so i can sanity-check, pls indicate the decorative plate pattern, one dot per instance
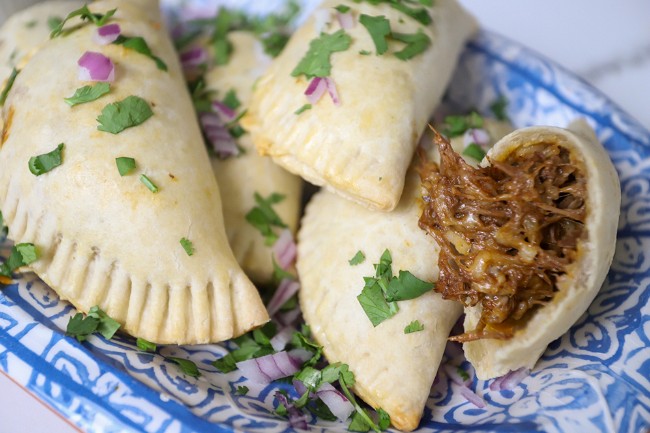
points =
(594, 378)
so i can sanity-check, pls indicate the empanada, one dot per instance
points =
(110, 240)
(241, 176)
(361, 148)
(393, 370)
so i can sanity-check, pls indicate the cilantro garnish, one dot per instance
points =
(380, 293)
(303, 109)
(274, 43)
(474, 151)
(186, 366)
(86, 15)
(138, 44)
(316, 62)
(31, 24)
(129, 112)
(54, 22)
(455, 126)
(462, 373)
(145, 346)
(421, 15)
(242, 390)
(251, 345)
(8, 86)
(125, 165)
(358, 258)
(88, 93)
(416, 43)
(187, 246)
(46, 162)
(231, 100)
(3, 229)
(498, 108)
(342, 8)
(201, 96)
(21, 255)
(365, 52)
(97, 320)
(414, 326)
(264, 218)
(148, 183)
(379, 29)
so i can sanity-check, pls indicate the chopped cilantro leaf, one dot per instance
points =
(125, 165)
(342, 8)
(358, 258)
(406, 286)
(274, 43)
(462, 373)
(455, 126)
(148, 183)
(360, 418)
(186, 366)
(31, 24)
(3, 229)
(358, 423)
(242, 390)
(421, 15)
(374, 304)
(414, 326)
(365, 52)
(264, 218)
(139, 45)
(316, 62)
(474, 151)
(8, 86)
(187, 246)
(231, 100)
(86, 15)
(46, 162)
(129, 112)
(384, 419)
(145, 346)
(303, 109)
(498, 108)
(379, 29)
(54, 22)
(279, 274)
(21, 255)
(416, 43)
(88, 93)
(97, 320)
(107, 327)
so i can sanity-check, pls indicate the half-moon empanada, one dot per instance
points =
(110, 240)
(242, 176)
(393, 370)
(360, 149)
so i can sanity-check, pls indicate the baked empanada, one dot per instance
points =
(393, 370)
(240, 177)
(148, 247)
(357, 141)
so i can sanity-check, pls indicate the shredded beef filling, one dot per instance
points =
(506, 232)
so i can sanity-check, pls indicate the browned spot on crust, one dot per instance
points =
(7, 125)
(172, 176)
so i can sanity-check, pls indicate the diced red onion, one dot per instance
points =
(472, 397)
(95, 67)
(288, 318)
(226, 113)
(285, 290)
(337, 403)
(285, 249)
(331, 89)
(266, 369)
(322, 17)
(280, 340)
(300, 355)
(107, 34)
(299, 386)
(315, 90)
(478, 136)
(297, 419)
(509, 380)
(193, 58)
(346, 20)
(223, 144)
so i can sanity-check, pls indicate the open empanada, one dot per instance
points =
(360, 149)
(393, 370)
(241, 176)
(111, 240)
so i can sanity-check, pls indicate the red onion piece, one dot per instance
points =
(193, 58)
(331, 89)
(315, 90)
(472, 397)
(107, 34)
(285, 290)
(223, 144)
(299, 386)
(509, 380)
(478, 136)
(289, 318)
(297, 419)
(346, 20)
(280, 340)
(300, 355)
(226, 113)
(285, 249)
(338, 404)
(266, 369)
(95, 67)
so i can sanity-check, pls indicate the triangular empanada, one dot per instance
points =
(106, 239)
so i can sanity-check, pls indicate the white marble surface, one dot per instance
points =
(606, 42)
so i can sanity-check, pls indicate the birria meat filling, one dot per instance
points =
(507, 232)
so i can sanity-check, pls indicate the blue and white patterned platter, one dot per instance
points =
(595, 378)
